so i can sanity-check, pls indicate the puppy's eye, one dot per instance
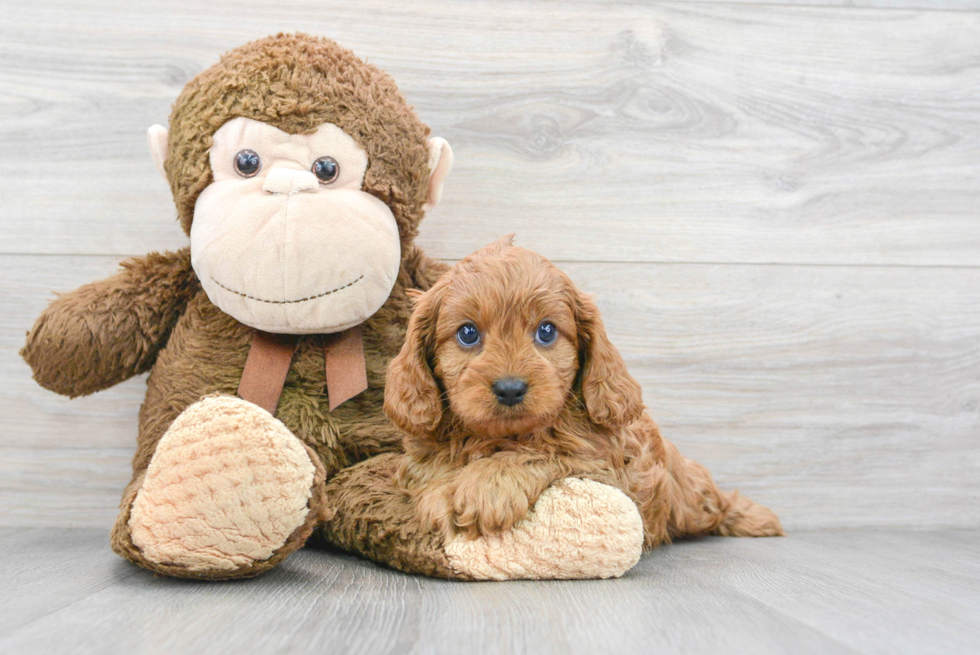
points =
(247, 163)
(546, 334)
(467, 335)
(326, 169)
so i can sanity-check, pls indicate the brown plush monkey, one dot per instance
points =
(300, 174)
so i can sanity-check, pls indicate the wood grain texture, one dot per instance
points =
(777, 206)
(929, 5)
(647, 132)
(831, 592)
(776, 202)
(840, 396)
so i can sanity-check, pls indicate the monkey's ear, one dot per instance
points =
(156, 136)
(440, 163)
(612, 397)
(413, 401)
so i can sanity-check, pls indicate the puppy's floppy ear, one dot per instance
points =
(612, 397)
(412, 398)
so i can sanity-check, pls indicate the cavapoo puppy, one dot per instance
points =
(507, 383)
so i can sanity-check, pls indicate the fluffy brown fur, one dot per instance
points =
(296, 83)
(475, 465)
(153, 316)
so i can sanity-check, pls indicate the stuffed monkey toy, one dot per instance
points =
(300, 175)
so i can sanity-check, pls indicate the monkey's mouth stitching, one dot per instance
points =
(286, 302)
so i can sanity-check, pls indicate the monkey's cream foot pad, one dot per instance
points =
(577, 529)
(226, 488)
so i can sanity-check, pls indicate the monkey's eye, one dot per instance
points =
(546, 334)
(247, 163)
(326, 169)
(467, 335)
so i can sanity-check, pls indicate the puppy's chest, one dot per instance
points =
(471, 448)
(572, 454)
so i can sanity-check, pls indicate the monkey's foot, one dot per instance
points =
(577, 529)
(229, 492)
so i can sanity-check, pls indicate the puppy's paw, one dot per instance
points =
(488, 506)
(577, 529)
(434, 506)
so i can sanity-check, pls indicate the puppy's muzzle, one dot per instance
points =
(510, 391)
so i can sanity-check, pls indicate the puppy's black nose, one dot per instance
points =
(510, 391)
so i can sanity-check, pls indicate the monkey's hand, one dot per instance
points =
(108, 331)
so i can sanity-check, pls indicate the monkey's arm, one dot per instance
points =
(578, 529)
(369, 514)
(105, 332)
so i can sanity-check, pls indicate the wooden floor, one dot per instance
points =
(776, 205)
(775, 202)
(813, 592)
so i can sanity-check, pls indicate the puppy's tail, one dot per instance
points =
(745, 518)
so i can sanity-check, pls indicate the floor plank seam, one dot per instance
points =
(634, 262)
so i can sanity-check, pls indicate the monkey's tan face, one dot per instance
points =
(284, 239)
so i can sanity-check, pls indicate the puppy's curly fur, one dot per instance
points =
(476, 465)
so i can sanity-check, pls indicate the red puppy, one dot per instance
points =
(507, 382)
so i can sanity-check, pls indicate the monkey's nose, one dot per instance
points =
(510, 391)
(289, 180)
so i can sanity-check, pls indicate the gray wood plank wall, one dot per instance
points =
(776, 204)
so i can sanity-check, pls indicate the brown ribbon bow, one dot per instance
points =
(270, 356)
